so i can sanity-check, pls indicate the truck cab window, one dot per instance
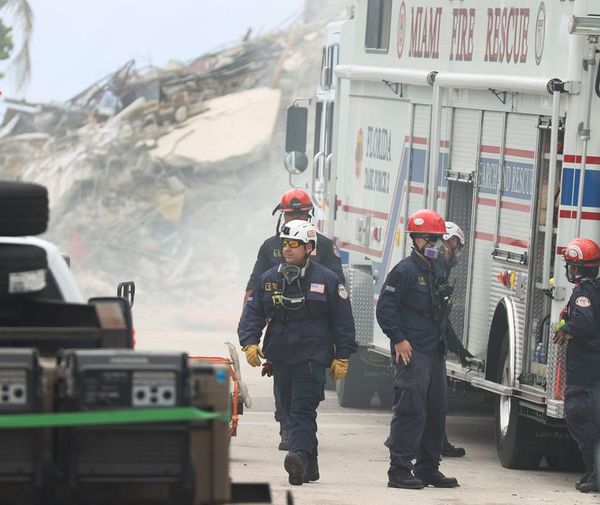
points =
(377, 37)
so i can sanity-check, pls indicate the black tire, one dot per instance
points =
(23, 209)
(16, 258)
(515, 435)
(355, 390)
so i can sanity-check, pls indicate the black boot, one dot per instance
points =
(450, 451)
(436, 478)
(312, 469)
(295, 465)
(284, 444)
(589, 481)
(404, 479)
(584, 478)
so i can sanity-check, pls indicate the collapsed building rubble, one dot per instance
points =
(153, 189)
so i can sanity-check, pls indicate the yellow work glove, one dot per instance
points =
(253, 354)
(339, 369)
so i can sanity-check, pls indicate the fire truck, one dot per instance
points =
(483, 111)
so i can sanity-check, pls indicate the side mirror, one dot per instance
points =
(295, 162)
(126, 290)
(295, 131)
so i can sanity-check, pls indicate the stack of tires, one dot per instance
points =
(23, 212)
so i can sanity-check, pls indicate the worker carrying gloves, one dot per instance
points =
(310, 330)
(579, 328)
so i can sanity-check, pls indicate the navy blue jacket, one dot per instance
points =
(269, 255)
(318, 330)
(407, 308)
(583, 324)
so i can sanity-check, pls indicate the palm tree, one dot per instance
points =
(23, 16)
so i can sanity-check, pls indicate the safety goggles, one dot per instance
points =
(291, 243)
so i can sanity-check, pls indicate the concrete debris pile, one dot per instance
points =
(148, 169)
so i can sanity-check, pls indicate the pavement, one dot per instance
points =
(352, 458)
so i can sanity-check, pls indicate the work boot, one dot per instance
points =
(589, 482)
(295, 465)
(436, 478)
(284, 444)
(312, 470)
(585, 477)
(404, 479)
(450, 451)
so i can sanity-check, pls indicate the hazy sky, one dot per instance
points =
(76, 42)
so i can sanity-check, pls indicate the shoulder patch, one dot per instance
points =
(277, 253)
(342, 291)
(391, 289)
(421, 280)
(317, 288)
(583, 301)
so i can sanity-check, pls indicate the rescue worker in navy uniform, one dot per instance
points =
(309, 328)
(412, 311)
(579, 327)
(295, 204)
(452, 243)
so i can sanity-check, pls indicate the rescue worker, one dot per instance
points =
(294, 204)
(412, 311)
(453, 242)
(579, 327)
(309, 329)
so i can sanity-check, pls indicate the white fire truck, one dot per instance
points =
(484, 111)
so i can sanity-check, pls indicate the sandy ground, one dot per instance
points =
(353, 461)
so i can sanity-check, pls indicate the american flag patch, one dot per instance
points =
(317, 288)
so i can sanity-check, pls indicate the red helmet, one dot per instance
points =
(582, 252)
(294, 200)
(426, 221)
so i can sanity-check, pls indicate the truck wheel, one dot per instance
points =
(355, 389)
(515, 435)
(16, 258)
(23, 209)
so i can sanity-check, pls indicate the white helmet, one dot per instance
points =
(299, 230)
(453, 230)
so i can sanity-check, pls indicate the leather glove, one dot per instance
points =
(253, 354)
(339, 369)
(267, 369)
(463, 354)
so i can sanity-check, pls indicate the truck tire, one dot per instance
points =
(23, 209)
(354, 390)
(15, 258)
(515, 435)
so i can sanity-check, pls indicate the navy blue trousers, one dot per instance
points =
(301, 388)
(419, 420)
(581, 404)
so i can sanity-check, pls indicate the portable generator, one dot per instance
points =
(21, 467)
(141, 462)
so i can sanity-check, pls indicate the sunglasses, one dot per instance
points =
(291, 243)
